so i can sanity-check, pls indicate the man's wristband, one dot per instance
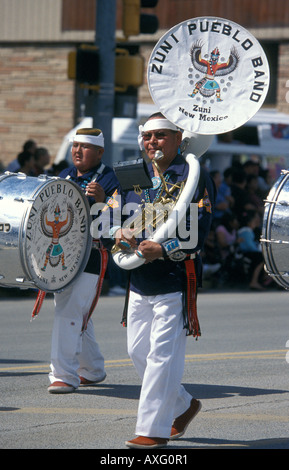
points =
(172, 249)
(171, 246)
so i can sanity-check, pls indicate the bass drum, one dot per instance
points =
(45, 238)
(275, 231)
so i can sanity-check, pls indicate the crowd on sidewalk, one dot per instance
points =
(232, 255)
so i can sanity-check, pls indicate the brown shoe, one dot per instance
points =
(86, 383)
(60, 387)
(181, 423)
(143, 442)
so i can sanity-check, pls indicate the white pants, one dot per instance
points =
(74, 353)
(156, 345)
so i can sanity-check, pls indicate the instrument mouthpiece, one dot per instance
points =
(158, 155)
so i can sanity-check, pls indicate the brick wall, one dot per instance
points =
(36, 98)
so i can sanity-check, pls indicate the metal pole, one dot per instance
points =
(104, 102)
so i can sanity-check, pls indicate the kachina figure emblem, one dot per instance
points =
(212, 68)
(55, 229)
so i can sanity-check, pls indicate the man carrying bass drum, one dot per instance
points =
(75, 355)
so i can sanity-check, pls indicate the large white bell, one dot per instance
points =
(197, 144)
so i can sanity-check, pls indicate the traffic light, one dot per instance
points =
(134, 22)
(83, 64)
(129, 69)
(129, 76)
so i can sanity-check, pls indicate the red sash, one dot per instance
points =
(103, 266)
(190, 309)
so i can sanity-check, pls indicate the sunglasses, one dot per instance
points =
(158, 135)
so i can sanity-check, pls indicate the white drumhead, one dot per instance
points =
(208, 75)
(57, 240)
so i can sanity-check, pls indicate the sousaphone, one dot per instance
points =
(208, 76)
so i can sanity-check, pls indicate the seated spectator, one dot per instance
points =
(225, 186)
(28, 146)
(210, 256)
(251, 167)
(226, 234)
(223, 198)
(253, 194)
(26, 163)
(264, 183)
(42, 160)
(55, 169)
(251, 249)
(241, 199)
(263, 176)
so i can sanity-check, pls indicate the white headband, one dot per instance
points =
(154, 124)
(90, 139)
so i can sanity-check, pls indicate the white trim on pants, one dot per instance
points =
(156, 344)
(74, 353)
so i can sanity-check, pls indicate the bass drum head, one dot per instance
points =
(275, 232)
(56, 240)
(208, 75)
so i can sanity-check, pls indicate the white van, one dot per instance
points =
(264, 138)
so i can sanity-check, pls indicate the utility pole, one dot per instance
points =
(103, 108)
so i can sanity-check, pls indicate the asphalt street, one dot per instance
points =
(239, 369)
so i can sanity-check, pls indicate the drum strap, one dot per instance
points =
(96, 174)
(124, 313)
(191, 322)
(103, 266)
(99, 172)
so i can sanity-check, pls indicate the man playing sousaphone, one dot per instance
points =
(161, 309)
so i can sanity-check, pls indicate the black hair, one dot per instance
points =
(24, 157)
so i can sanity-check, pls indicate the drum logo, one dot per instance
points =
(56, 229)
(208, 86)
